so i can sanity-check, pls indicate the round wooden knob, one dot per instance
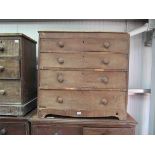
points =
(106, 44)
(104, 101)
(105, 61)
(1, 68)
(2, 92)
(3, 131)
(104, 79)
(60, 100)
(60, 60)
(60, 78)
(61, 44)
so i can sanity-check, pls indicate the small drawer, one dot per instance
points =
(9, 68)
(10, 91)
(55, 130)
(52, 79)
(86, 44)
(96, 60)
(82, 103)
(108, 131)
(13, 128)
(9, 47)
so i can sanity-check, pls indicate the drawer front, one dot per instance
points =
(9, 47)
(88, 44)
(55, 130)
(83, 103)
(14, 128)
(84, 60)
(10, 91)
(108, 131)
(9, 68)
(82, 79)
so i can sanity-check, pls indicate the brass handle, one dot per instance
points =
(60, 78)
(105, 79)
(105, 61)
(106, 44)
(2, 68)
(60, 60)
(1, 47)
(60, 100)
(2, 92)
(61, 44)
(104, 101)
(3, 131)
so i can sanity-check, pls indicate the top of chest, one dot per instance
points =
(54, 41)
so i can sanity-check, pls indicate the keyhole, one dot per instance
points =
(83, 41)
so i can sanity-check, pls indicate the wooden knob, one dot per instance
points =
(105, 61)
(2, 92)
(3, 131)
(104, 101)
(60, 60)
(60, 78)
(61, 44)
(104, 79)
(60, 100)
(106, 44)
(1, 68)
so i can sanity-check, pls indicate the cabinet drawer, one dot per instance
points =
(9, 47)
(52, 79)
(9, 68)
(85, 44)
(108, 131)
(55, 130)
(84, 60)
(10, 91)
(14, 128)
(83, 103)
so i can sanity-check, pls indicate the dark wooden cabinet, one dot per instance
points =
(83, 74)
(81, 126)
(18, 74)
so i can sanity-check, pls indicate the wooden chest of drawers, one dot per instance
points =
(83, 74)
(18, 78)
(78, 126)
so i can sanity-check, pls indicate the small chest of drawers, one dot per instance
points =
(83, 74)
(17, 74)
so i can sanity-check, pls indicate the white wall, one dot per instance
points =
(140, 56)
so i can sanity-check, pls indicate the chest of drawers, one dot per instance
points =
(17, 74)
(83, 74)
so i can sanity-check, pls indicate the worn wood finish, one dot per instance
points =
(108, 131)
(82, 79)
(9, 68)
(17, 74)
(84, 60)
(76, 65)
(65, 126)
(83, 103)
(9, 46)
(10, 92)
(91, 45)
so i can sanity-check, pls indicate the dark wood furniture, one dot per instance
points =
(80, 126)
(18, 78)
(83, 74)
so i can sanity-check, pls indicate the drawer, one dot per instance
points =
(108, 131)
(86, 44)
(9, 47)
(83, 103)
(13, 128)
(54, 79)
(9, 68)
(55, 130)
(10, 91)
(90, 60)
